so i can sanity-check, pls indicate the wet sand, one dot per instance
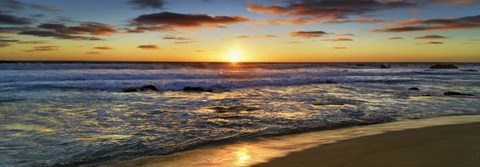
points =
(446, 145)
(444, 141)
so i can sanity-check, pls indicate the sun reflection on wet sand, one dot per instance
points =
(248, 153)
(243, 157)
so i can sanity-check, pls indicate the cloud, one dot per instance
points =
(91, 28)
(326, 11)
(307, 34)
(395, 38)
(148, 47)
(44, 48)
(430, 37)
(434, 43)
(92, 53)
(4, 44)
(457, 2)
(345, 35)
(41, 33)
(144, 4)
(17, 5)
(339, 40)
(8, 40)
(184, 42)
(44, 8)
(292, 42)
(103, 48)
(339, 47)
(168, 21)
(13, 20)
(169, 37)
(469, 22)
(31, 42)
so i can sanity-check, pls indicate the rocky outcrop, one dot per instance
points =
(456, 94)
(385, 66)
(196, 89)
(443, 66)
(143, 88)
(414, 88)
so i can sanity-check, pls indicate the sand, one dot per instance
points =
(447, 145)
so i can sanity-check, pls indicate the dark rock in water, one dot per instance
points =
(345, 71)
(130, 90)
(385, 66)
(413, 88)
(148, 87)
(427, 95)
(196, 89)
(456, 94)
(470, 70)
(143, 88)
(233, 109)
(330, 82)
(444, 66)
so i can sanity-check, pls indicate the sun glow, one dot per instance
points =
(234, 56)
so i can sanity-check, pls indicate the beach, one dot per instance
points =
(449, 145)
(444, 141)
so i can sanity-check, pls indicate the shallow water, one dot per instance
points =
(72, 114)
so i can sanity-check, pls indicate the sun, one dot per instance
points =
(234, 56)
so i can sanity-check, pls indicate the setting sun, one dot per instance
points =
(234, 56)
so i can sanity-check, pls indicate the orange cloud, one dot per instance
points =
(148, 47)
(469, 22)
(307, 34)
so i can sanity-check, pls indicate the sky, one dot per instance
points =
(241, 30)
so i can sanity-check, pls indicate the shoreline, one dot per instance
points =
(445, 145)
(267, 151)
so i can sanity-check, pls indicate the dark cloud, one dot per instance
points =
(332, 9)
(434, 43)
(395, 38)
(143, 4)
(430, 37)
(17, 5)
(13, 20)
(8, 40)
(148, 47)
(345, 35)
(43, 48)
(4, 44)
(469, 22)
(91, 28)
(308, 34)
(37, 15)
(168, 21)
(41, 33)
(44, 8)
(339, 40)
(32, 42)
(103, 48)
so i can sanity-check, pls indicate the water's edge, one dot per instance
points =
(253, 151)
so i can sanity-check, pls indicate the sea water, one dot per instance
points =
(77, 113)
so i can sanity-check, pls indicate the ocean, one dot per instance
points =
(79, 113)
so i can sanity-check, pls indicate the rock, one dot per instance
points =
(413, 88)
(330, 82)
(361, 65)
(470, 70)
(385, 66)
(143, 88)
(130, 90)
(443, 66)
(196, 89)
(456, 94)
(148, 87)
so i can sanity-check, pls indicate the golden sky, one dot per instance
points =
(238, 30)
